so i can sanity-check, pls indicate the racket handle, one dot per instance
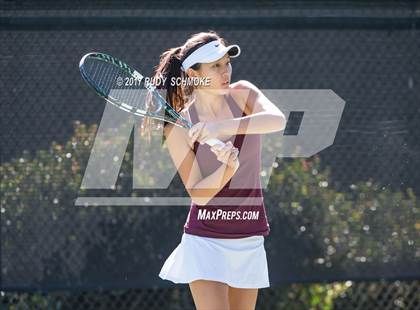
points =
(212, 142)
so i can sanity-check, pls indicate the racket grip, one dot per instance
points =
(212, 142)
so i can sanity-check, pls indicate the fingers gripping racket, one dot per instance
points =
(124, 87)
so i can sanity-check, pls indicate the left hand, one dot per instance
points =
(203, 131)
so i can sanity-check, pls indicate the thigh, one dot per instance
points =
(209, 295)
(242, 298)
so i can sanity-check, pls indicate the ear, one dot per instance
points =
(192, 73)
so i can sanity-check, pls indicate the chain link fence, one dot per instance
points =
(344, 223)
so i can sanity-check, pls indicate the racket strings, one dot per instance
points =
(104, 82)
(102, 74)
(124, 90)
(115, 83)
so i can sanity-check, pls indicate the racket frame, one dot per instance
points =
(150, 87)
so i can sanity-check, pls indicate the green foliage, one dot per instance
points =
(366, 224)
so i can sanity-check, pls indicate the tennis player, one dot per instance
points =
(221, 254)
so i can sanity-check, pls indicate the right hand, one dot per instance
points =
(227, 154)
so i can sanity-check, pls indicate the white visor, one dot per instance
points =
(210, 52)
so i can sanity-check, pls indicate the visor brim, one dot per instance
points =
(232, 50)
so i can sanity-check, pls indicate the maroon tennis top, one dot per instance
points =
(237, 210)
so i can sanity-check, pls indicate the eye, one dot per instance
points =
(216, 65)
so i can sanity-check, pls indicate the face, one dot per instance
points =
(218, 73)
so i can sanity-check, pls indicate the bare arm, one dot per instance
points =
(257, 123)
(201, 190)
(263, 116)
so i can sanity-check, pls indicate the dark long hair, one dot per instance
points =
(169, 67)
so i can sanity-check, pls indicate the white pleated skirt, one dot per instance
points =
(240, 263)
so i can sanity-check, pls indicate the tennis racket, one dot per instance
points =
(126, 88)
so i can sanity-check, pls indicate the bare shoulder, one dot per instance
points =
(243, 84)
(176, 137)
(242, 91)
(175, 131)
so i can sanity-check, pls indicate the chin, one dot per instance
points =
(225, 87)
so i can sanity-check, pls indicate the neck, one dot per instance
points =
(208, 103)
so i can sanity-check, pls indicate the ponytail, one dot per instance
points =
(169, 68)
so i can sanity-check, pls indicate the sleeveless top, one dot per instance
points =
(237, 210)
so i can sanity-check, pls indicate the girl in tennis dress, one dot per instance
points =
(221, 254)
